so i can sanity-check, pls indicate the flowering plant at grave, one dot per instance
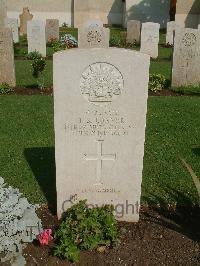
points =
(45, 236)
(51, 41)
(68, 41)
(157, 82)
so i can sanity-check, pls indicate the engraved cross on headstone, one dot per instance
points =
(100, 157)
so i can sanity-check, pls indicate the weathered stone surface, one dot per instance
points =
(92, 35)
(36, 36)
(150, 39)
(3, 13)
(133, 31)
(52, 29)
(100, 103)
(24, 18)
(12, 23)
(186, 58)
(171, 27)
(7, 66)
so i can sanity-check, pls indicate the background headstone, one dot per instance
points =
(186, 57)
(36, 36)
(24, 18)
(3, 13)
(12, 23)
(92, 35)
(133, 31)
(171, 27)
(100, 103)
(52, 29)
(7, 66)
(150, 39)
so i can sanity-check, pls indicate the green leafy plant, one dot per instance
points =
(117, 41)
(85, 228)
(5, 88)
(38, 66)
(57, 46)
(156, 82)
(34, 55)
(65, 25)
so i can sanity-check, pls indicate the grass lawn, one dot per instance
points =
(161, 67)
(24, 77)
(27, 148)
(188, 90)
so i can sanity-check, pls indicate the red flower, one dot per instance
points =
(45, 236)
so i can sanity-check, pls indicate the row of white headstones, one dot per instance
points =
(93, 34)
(100, 105)
(38, 34)
(186, 48)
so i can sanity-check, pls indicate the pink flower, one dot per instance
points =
(45, 236)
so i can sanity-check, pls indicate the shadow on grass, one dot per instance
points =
(183, 218)
(42, 164)
(196, 151)
(32, 86)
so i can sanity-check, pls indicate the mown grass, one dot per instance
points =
(193, 89)
(25, 79)
(24, 75)
(27, 148)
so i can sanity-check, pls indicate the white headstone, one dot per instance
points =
(100, 104)
(150, 39)
(93, 35)
(171, 27)
(7, 65)
(186, 57)
(199, 27)
(3, 13)
(36, 36)
(133, 31)
(52, 29)
(12, 23)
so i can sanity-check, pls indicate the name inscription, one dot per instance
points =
(99, 124)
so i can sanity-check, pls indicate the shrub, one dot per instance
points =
(38, 66)
(65, 25)
(34, 55)
(57, 46)
(117, 41)
(85, 228)
(5, 88)
(51, 41)
(156, 82)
